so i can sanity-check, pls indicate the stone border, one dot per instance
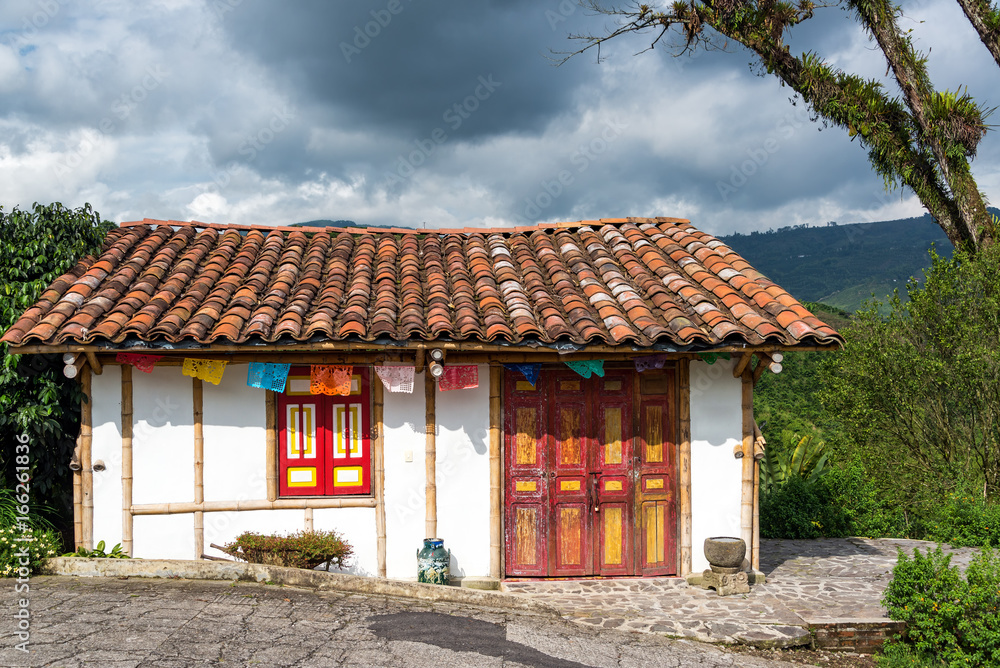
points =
(292, 577)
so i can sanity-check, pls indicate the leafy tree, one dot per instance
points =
(36, 247)
(918, 391)
(923, 139)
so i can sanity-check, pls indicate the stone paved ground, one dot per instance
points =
(808, 582)
(119, 623)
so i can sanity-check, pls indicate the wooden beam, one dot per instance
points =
(755, 552)
(95, 364)
(86, 463)
(271, 444)
(355, 347)
(244, 505)
(496, 474)
(747, 463)
(197, 400)
(127, 422)
(765, 361)
(741, 364)
(308, 523)
(378, 443)
(684, 464)
(430, 457)
(418, 361)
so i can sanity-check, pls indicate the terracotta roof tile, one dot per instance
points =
(635, 282)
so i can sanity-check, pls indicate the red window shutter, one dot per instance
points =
(324, 442)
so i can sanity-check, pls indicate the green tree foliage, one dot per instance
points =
(948, 619)
(36, 247)
(921, 138)
(801, 457)
(918, 392)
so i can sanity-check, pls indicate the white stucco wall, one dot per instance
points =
(716, 476)
(233, 416)
(163, 436)
(234, 469)
(404, 419)
(106, 446)
(463, 476)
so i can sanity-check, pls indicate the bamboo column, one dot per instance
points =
(127, 421)
(496, 424)
(308, 519)
(87, 470)
(77, 499)
(430, 457)
(684, 462)
(378, 442)
(747, 496)
(755, 552)
(271, 444)
(197, 395)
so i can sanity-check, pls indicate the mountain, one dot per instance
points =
(843, 265)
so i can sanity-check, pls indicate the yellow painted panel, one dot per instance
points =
(569, 485)
(612, 535)
(612, 385)
(655, 483)
(354, 420)
(524, 428)
(525, 486)
(655, 532)
(301, 476)
(524, 386)
(339, 415)
(654, 434)
(570, 531)
(524, 536)
(569, 385)
(569, 436)
(613, 486)
(292, 431)
(612, 435)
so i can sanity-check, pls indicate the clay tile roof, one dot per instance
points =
(635, 282)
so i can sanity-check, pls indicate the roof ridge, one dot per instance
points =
(541, 227)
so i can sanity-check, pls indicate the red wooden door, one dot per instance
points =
(655, 505)
(612, 472)
(585, 495)
(570, 492)
(527, 483)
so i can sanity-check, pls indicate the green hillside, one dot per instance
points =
(843, 265)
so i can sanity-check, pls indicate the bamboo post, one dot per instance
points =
(87, 470)
(197, 399)
(77, 500)
(95, 364)
(378, 412)
(308, 519)
(755, 552)
(430, 455)
(684, 462)
(127, 421)
(271, 444)
(496, 501)
(747, 495)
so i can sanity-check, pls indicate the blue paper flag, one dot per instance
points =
(268, 376)
(529, 371)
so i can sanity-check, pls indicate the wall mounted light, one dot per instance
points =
(436, 369)
(99, 465)
(437, 355)
(775, 367)
(74, 464)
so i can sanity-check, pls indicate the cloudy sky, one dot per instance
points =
(431, 114)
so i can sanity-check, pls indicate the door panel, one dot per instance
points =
(656, 494)
(526, 526)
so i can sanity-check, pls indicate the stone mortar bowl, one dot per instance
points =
(725, 551)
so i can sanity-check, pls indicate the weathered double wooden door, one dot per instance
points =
(589, 475)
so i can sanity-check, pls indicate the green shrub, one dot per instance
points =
(866, 509)
(964, 520)
(40, 544)
(800, 508)
(302, 549)
(99, 553)
(948, 618)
